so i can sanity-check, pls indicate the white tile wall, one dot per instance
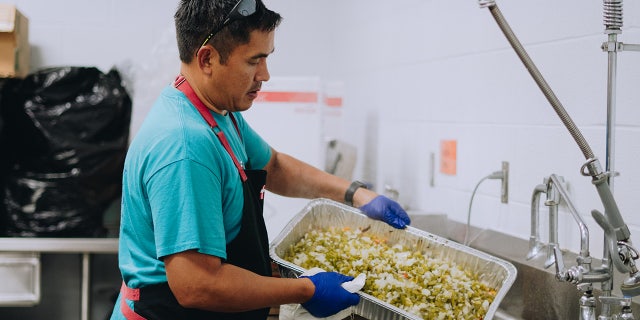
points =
(416, 72)
(443, 70)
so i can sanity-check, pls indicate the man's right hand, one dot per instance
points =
(329, 297)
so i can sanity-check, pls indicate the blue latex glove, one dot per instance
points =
(330, 297)
(384, 209)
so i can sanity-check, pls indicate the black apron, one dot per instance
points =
(249, 250)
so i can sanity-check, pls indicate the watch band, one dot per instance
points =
(348, 196)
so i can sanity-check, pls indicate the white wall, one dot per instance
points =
(438, 70)
(416, 72)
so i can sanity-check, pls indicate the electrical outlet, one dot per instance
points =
(504, 193)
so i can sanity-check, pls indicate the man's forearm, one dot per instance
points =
(202, 282)
(290, 177)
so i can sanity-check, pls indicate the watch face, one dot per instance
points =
(348, 196)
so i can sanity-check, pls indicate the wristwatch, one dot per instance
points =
(348, 196)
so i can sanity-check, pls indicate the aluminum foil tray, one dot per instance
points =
(324, 213)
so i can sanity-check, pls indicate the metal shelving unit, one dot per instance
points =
(84, 246)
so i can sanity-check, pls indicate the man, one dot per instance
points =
(193, 243)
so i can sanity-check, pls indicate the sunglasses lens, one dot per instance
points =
(244, 8)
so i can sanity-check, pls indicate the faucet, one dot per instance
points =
(623, 254)
(535, 245)
(552, 202)
(582, 274)
(624, 303)
(555, 189)
(618, 248)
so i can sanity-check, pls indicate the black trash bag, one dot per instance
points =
(5, 152)
(3, 161)
(68, 131)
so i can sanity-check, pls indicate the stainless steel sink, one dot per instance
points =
(536, 294)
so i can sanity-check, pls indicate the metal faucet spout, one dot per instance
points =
(535, 245)
(584, 231)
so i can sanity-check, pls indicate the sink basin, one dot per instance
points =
(536, 293)
(503, 315)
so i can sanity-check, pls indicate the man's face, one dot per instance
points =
(236, 83)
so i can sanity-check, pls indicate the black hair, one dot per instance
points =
(196, 19)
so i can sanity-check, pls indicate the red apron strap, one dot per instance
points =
(183, 85)
(127, 293)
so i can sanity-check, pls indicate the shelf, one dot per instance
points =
(59, 245)
(84, 246)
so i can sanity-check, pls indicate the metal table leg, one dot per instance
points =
(85, 286)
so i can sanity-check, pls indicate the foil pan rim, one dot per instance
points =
(369, 304)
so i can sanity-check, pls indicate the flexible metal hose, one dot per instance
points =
(539, 79)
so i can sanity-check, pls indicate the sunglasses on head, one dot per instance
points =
(241, 10)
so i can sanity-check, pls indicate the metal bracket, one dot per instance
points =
(613, 46)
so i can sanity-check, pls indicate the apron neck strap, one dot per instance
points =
(183, 85)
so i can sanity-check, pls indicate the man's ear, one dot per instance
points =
(207, 56)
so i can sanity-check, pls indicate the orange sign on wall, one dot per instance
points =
(448, 155)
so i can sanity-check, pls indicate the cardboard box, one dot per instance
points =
(14, 42)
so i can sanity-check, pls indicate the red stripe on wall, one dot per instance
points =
(287, 96)
(333, 101)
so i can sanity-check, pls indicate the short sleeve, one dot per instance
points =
(186, 210)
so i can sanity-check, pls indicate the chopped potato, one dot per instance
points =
(412, 281)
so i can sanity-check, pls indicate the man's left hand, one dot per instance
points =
(384, 209)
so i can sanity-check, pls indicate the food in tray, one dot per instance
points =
(412, 281)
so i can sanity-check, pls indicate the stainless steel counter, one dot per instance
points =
(59, 245)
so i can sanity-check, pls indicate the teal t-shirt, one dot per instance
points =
(181, 190)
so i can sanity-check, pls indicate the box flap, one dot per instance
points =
(7, 17)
